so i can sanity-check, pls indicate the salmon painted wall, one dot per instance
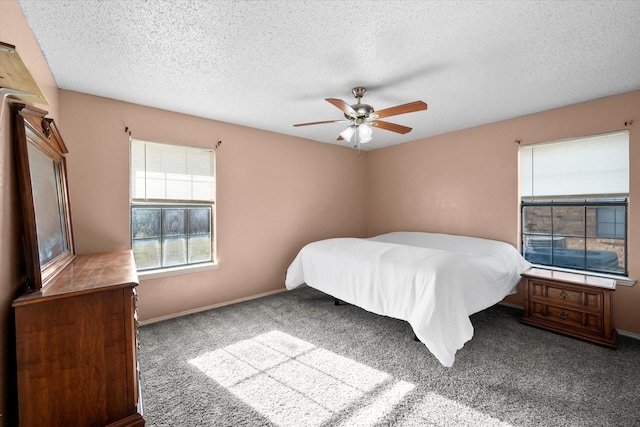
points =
(274, 194)
(14, 30)
(466, 182)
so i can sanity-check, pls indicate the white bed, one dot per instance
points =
(433, 281)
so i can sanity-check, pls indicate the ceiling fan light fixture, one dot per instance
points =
(363, 118)
(347, 134)
(365, 133)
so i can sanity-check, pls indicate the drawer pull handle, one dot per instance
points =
(563, 314)
(563, 295)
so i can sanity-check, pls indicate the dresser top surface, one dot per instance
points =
(567, 277)
(88, 273)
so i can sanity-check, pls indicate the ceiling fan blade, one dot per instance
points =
(390, 126)
(400, 109)
(343, 106)
(321, 123)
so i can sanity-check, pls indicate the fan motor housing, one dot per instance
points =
(362, 111)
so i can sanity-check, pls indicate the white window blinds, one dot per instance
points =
(171, 172)
(596, 165)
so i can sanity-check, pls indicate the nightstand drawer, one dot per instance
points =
(566, 295)
(562, 316)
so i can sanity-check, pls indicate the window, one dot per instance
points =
(612, 222)
(569, 234)
(172, 205)
(574, 197)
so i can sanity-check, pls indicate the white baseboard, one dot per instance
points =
(508, 304)
(629, 334)
(621, 332)
(208, 307)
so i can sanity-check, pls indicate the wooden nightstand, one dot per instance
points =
(572, 304)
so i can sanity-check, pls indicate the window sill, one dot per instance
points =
(620, 280)
(174, 271)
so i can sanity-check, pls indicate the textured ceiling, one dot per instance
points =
(270, 64)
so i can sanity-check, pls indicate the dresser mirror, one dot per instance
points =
(44, 195)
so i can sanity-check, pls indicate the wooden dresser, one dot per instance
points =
(572, 304)
(77, 346)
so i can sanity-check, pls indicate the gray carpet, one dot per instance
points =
(295, 359)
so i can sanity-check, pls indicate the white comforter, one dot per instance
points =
(433, 281)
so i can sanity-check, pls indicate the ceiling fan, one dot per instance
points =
(363, 117)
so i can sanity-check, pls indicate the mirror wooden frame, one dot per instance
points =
(44, 194)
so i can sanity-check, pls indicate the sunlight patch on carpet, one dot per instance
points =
(372, 412)
(436, 410)
(288, 380)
